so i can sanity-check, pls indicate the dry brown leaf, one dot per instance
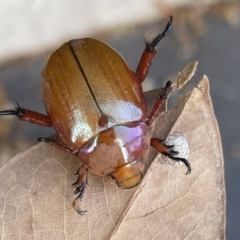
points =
(185, 75)
(169, 204)
(36, 194)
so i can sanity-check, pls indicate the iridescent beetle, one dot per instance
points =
(94, 100)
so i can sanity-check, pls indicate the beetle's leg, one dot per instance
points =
(28, 115)
(80, 185)
(149, 53)
(81, 182)
(159, 103)
(82, 174)
(160, 146)
(56, 143)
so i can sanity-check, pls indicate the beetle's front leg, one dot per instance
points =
(80, 185)
(150, 52)
(168, 151)
(28, 115)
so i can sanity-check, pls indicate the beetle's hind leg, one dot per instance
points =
(150, 52)
(80, 185)
(28, 115)
(168, 151)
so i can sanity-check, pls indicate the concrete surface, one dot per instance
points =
(29, 26)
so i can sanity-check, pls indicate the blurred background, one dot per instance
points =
(208, 32)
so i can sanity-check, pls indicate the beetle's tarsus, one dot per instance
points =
(166, 150)
(168, 88)
(149, 53)
(159, 103)
(28, 115)
(81, 182)
(185, 161)
(17, 111)
(150, 46)
(80, 189)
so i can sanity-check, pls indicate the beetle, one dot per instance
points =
(95, 102)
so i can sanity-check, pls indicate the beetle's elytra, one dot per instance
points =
(94, 100)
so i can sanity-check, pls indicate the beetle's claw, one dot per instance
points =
(75, 184)
(185, 161)
(81, 182)
(80, 189)
(171, 150)
(77, 190)
(80, 185)
(81, 212)
(174, 152)
(77, 173)
(76, 206)
(188, 171)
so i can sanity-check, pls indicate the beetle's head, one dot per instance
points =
(129, 175)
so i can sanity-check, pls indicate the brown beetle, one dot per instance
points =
(95, 102)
